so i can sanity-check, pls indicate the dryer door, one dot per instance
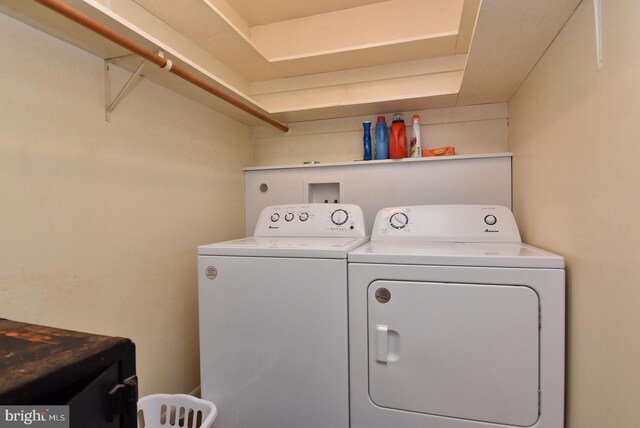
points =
(466, 351)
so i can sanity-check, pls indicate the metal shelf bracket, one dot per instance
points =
(110, 104)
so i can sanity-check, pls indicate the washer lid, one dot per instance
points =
(456, 254)
(262, 246)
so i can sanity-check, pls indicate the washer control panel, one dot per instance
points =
(446, 223)
(315, 220)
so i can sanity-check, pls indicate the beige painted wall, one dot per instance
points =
(575, 135)
(472, 130)
(99, 222)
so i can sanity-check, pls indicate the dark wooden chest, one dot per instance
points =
(94, 375)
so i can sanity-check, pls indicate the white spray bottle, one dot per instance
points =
(415, 150)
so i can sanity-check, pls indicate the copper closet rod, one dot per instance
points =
(136, 48)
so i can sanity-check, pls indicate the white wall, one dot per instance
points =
(472, 130)
(575, 131)
(99, 222)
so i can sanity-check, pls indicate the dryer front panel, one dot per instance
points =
(468, 351)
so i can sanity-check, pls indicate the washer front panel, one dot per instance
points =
(273, 342)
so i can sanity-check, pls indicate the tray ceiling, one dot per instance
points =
(264, 40)
(261, 12)
(302, 60)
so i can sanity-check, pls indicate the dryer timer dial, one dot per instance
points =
(399, 220)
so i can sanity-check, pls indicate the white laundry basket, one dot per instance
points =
(178, 410)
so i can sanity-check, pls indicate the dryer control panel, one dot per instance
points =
(446, 223)
(312, 220)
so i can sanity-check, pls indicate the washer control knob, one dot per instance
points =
(399, 220)
(275, 217)
(490, 219)
(339, 217)
(303, 216)
(288, 216)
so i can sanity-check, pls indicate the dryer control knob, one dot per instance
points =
(490, 219)
(288, 216)
(275, 217)
(399, 220)
(339, 217)
(303, 216)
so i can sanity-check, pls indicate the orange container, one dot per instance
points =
(442, 151)
(398, 138)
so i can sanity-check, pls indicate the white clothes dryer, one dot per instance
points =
(454, 323)
(273, 319)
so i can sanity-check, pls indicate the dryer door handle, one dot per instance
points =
(382, 343)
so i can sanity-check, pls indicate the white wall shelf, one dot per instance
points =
(377, 162)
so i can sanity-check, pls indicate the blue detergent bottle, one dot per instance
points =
(366, 139)
(382, 139)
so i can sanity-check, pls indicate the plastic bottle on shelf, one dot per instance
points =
(382, 139)
(415, 150)
(398, 138)
(366, 139)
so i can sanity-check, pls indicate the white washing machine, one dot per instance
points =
(273, 319)
(454, 323)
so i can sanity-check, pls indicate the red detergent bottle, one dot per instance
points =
(398, 138)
